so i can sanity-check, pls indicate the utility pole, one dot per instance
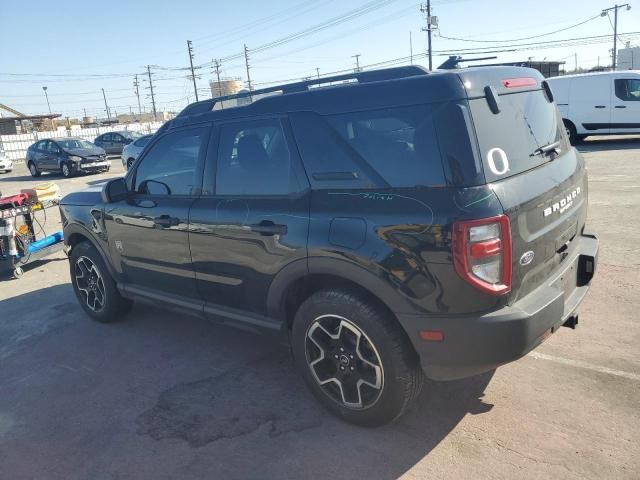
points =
(318, 72)
(575, 59)
(153, 99)
(432, 23)
(216, 64)
(193, 75)
(137, 85)
(246, 61)
(410, 49)
(604, 13)
(106, 107)
(357, 57)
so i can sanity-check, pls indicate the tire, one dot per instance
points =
(572, 133)
(338, 339)
(65, 169)
(33, 169)
(94, 287)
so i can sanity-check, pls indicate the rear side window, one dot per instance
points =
(375, 148)
(511, 140)
(628, 89)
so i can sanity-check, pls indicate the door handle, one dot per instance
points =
(621, 106)
(267, 228)
(600, 106)
(166, 221)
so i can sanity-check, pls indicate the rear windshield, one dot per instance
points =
(511, 140)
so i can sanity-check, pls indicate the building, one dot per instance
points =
(628, 59)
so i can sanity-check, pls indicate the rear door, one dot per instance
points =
(625, 116)
(538, 177)
(252, 221)
(590, 104)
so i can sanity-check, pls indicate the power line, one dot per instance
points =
(519, 39)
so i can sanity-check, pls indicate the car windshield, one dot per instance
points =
(132, 135)
(75, 143)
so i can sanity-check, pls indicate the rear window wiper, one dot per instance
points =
(552, 147)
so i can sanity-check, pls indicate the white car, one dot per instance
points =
(602, 103)
(6, 164)
(131, 151)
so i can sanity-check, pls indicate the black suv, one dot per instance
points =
(391, 223)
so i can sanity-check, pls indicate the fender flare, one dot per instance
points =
(77, 229)
(350, 271)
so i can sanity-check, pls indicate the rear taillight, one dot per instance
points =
(482, 253)
(519, 82)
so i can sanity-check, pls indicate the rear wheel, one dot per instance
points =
(94, 287)
(357, 360)
(33, 170)
(572, 133)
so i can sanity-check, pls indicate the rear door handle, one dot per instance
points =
(166, 221)
(621, 106)
(267, 228)
(600, 106)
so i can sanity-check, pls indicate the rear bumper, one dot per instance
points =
(473, 344)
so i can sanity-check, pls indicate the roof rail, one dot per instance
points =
(361, 77)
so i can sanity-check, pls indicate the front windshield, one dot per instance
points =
(132, 135)
(75, 143)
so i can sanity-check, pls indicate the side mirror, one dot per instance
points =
(114, 190)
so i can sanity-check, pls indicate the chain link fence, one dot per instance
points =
(15, 146)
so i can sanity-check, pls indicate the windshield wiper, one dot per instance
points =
(552, 147)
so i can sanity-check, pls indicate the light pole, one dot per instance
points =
(604, 13)
(48, 106)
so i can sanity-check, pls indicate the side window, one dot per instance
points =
(52, 147)
(117, 138)
(393, 147)
(254, 159)
(169, 167)
(42, 146)
(106, 137)
(628, 89)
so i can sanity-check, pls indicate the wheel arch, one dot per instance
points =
(75, 234)
(301, 279)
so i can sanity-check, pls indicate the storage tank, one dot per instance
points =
(227, 86)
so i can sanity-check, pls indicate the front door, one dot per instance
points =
(148, 232)
(625, 116)
(254, 221)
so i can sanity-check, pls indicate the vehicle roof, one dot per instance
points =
(593, 74)
(403, 86)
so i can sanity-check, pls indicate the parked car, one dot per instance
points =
(410, 222)
(114, 142)
(602, 103)
(6, 164)
(66, 156)
(131, 151)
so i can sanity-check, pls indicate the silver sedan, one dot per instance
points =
(131, 151)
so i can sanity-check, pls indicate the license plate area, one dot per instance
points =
(568, 279)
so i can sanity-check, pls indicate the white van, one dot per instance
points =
(602, 103)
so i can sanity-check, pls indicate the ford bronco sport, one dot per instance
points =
(391, 223)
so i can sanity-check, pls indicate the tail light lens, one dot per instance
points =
(482, 253)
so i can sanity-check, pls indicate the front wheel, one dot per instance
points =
(355, 357)
(33, 170)
(572, 133)
(94, 287)
(66, 170)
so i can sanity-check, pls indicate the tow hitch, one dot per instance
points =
(572, 322)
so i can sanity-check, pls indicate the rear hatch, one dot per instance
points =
(538, 177)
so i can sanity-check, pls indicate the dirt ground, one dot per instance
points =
(165, 396)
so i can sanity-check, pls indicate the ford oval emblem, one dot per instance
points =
(527, 258)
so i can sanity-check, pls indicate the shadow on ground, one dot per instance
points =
(158, 383)
(595, 144)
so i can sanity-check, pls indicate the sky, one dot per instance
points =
(77, 48)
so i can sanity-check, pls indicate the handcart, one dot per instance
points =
(23, 238)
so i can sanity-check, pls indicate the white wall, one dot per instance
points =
(15, 146)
